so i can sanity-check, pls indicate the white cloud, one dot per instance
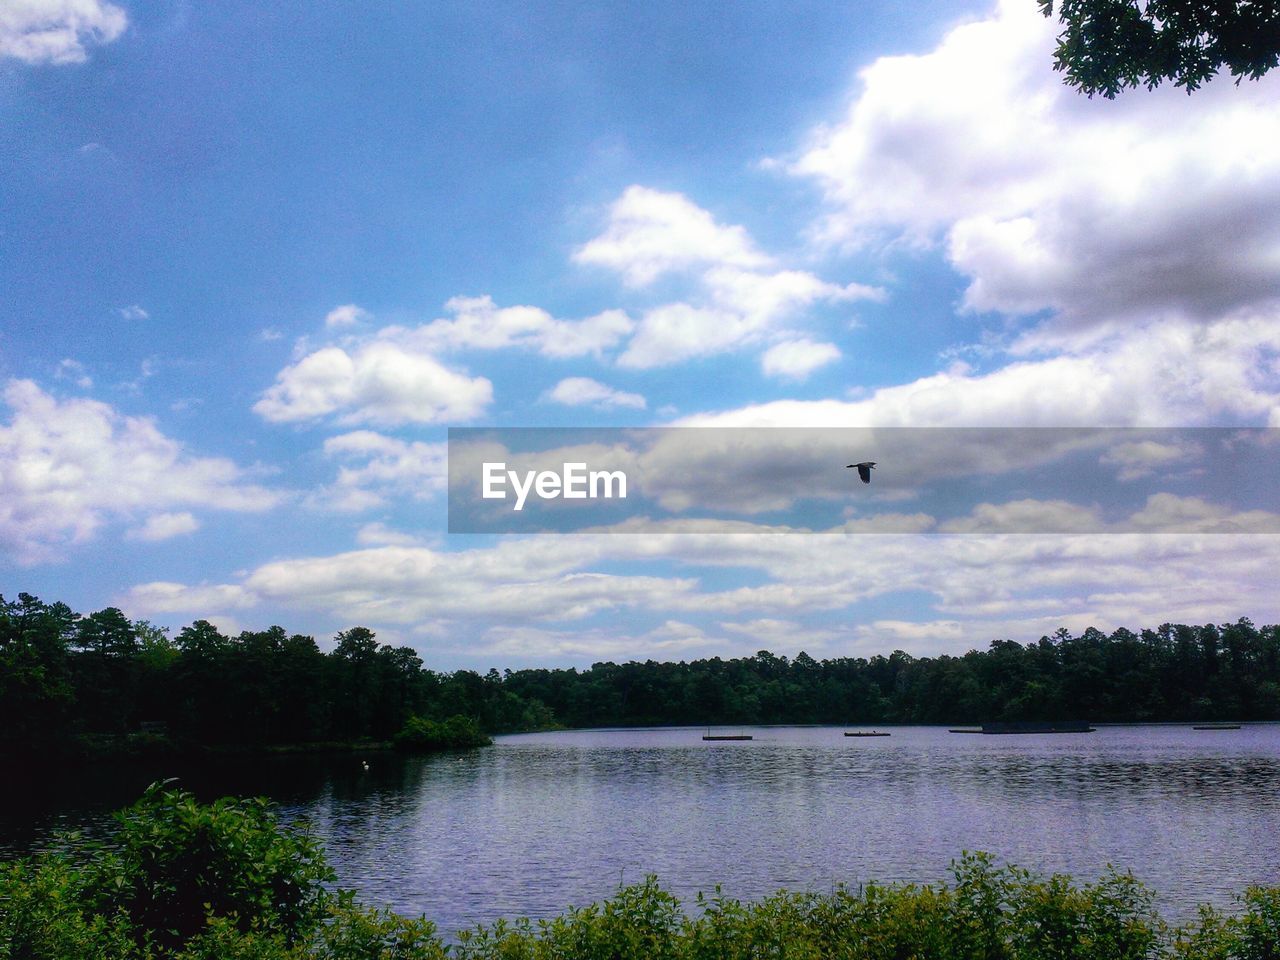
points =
(536, 592)
(57, 31)
(538, 645)
(796, 359)
(651, 232)
(1017, 516)
(74, 371)
(786, 637)
(69, 466)
(378, 534)
(677, 331)
(162, 596)
(886, 635)
(762, 297)
(379, 382)
(478, 323)
(347, 315)
(1173, 374)
(162, 526)
(379, 467)
(740, 295)
(1165, 512)
(133, 312)
(1101, 211)
(583, 391)
(1143, 457)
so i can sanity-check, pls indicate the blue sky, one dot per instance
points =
(255, 262)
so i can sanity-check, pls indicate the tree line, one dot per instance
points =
(69, 680)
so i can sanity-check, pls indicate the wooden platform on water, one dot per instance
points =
(1217, 726)
(871, 734)
(727, 736)
(1059, 726)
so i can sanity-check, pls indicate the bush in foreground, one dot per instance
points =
(226, 881)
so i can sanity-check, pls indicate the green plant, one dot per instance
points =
(456, 733)
(173, 863)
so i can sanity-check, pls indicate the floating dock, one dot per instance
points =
(1217, 726)
(728, 736)
(1050, 726)
(873, 733)
(1059, 726)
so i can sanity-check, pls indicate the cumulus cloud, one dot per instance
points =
(378, 534)
(1166, 511)
(536, 644)
(1144, 457)
(1018, 516)
(347, 315)
(740, 294)
(376, 468)
(966, 590)
(761, 297)
(163, 596)
(678, 331)
(162, 526)
(1174, 374)
(399, 585)
(796, 359)
(57, 31)
(67, 467)
(651, 233)
(583, 391)
(477, 323)
(379, 382)
(394, 375)
(74, 371)
(1097, 210)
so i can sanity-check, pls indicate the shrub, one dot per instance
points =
(456, 733)
(173, 863)
(44, 912)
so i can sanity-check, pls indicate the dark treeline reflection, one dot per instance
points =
(104, 682)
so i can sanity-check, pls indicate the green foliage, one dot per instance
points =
(173, 863)
(1108, 45)
(989, 913)
(349, 932)
(456, 733)
(36, 694)
(45, 913)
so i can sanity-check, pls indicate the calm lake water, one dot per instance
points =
(542, 821)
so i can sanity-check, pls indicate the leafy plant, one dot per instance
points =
(175, 863)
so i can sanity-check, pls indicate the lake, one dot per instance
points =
(542, 821)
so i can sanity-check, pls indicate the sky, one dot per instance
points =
(256, 260)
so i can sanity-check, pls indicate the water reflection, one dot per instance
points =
(540, 822)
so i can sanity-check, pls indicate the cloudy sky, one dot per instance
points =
(255, 262)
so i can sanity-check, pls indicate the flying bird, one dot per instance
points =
(864, 469)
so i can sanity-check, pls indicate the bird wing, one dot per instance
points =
(864, 472)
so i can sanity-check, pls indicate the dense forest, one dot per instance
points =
(100, 682)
